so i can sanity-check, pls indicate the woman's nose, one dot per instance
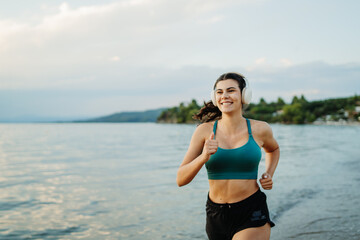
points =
(225, 95)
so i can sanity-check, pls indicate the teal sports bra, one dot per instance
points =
(236, 163)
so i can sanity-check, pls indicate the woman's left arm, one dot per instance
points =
(272, 155)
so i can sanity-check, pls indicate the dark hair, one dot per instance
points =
(210, 112)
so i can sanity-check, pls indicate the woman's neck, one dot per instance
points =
(231, 123)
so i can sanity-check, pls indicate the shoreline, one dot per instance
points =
(317, 123)
(328, 123)
(333, 123)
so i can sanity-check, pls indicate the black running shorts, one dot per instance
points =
(224, 220)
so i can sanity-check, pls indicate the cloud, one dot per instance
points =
(132, 29)
(260, 61)
(143, 33)
(286, 62)
(316, 80)
(165, 87)
(136, 55)
(139, 15)
(211, 20)
(115, 58)
(71, 47)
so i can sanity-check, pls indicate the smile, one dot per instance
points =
(226, 103)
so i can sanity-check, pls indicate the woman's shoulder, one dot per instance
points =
(206, 126)
(260, 127)
(205, 129)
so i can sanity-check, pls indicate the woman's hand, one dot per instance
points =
(210, 146)
(200, 149)
(266, 181)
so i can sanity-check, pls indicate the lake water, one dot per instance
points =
(117, 181)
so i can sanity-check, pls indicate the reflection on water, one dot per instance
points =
(117, 181)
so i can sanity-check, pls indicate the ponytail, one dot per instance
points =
(209, 112)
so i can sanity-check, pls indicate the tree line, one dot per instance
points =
(298, 111)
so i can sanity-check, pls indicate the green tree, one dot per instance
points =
(298, 112)
(295, 100)
(293, 114)
(280, 103)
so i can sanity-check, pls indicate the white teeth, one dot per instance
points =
(226, 103)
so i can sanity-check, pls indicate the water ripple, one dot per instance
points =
(45, 234)
(117, 181)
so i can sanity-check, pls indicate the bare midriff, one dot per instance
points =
(231, 190)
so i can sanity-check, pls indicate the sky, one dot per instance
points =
(78, 59)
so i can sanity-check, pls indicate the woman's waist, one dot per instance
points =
(232, 190)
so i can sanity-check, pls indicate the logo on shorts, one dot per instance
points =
(257, 215)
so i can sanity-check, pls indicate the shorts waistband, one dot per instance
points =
(236, 204)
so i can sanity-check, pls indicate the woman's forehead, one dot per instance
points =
(224, 84)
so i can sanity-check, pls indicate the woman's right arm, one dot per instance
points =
(198, 153)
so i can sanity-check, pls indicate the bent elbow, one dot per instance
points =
(182, 180)
(179, 179)
(179, 182)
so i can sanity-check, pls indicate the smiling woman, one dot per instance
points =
(236, 207)
(211, 111)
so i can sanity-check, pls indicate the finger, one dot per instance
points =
(213, 143)
(265, 180)
(266, 185)
(211, 136)
(212, 148)
(212, 151)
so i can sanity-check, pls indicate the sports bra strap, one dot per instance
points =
(214, 129)
(249, 126)
(247, 122)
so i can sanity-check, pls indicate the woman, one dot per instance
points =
(230, 147)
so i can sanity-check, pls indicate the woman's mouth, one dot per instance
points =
(226, 103)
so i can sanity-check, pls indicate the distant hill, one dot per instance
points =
(144, 116)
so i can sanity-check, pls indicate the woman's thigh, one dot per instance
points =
(257, 233)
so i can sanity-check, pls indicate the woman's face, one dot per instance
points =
(228, 95)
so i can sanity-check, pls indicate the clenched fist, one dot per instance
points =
(266, 181)
(210, 146)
